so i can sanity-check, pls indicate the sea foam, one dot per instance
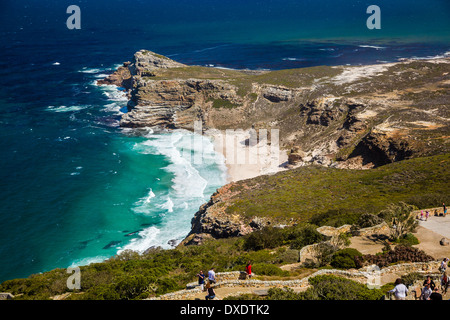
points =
(196, 171)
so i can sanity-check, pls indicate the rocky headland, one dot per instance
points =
(341, 117)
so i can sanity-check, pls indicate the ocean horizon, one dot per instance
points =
(77, 188)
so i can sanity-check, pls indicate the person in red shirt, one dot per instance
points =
(248, 269)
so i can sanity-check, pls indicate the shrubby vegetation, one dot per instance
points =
(345, 258)
(367, 220)
(328, 287)
(400, 253)
(324, 287)
(134, 276)
(271, 237)
(408, 239)
(400, 220)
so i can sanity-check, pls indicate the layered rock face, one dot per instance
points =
(347, 117)
(173, 103)
(357, 117)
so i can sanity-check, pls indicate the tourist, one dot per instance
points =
(248, 269)
(426, 292)
(400, 291)
(444, 283)
(201, 280)
(427, 214)
(443, 267)
(421, 215)
(212, 275)
(436, 295)
(211, 294)
(445, 209)
(430, 282)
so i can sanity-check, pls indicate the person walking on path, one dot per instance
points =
(445, 209)
(248, 270)
(430, 282)
(444, 283)
(400, 291)
(211, 294)
(443, 267)
(201, 280)
(426, 292)
(212, 275)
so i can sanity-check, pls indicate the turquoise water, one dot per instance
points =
(91, 189)
(76, 188)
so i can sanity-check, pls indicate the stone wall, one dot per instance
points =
(332, 231)
(381, 228)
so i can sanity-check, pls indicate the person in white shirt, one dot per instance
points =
(212, 276)
(400, 291)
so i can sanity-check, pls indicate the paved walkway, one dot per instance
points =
(440, 225)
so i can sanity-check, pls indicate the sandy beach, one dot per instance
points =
(247, 157)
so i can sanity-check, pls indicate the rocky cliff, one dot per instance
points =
(356, 117)
(347, 116)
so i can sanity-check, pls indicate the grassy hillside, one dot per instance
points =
(308, 192)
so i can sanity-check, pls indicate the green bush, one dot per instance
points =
(329, 287)
(283, 294)
(272, 237)
(408, 240)
(410, 278)
(345, 259)
(304, 236)
(100, 292)
(265, 269)
(266, 238)
(367, 220)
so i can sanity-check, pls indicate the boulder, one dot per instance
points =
(444, 242)
(296, 155)
(277, 94)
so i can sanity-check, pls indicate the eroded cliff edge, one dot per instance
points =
(344, 116)
(356, 117)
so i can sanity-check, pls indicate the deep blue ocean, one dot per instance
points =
(74, 187)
